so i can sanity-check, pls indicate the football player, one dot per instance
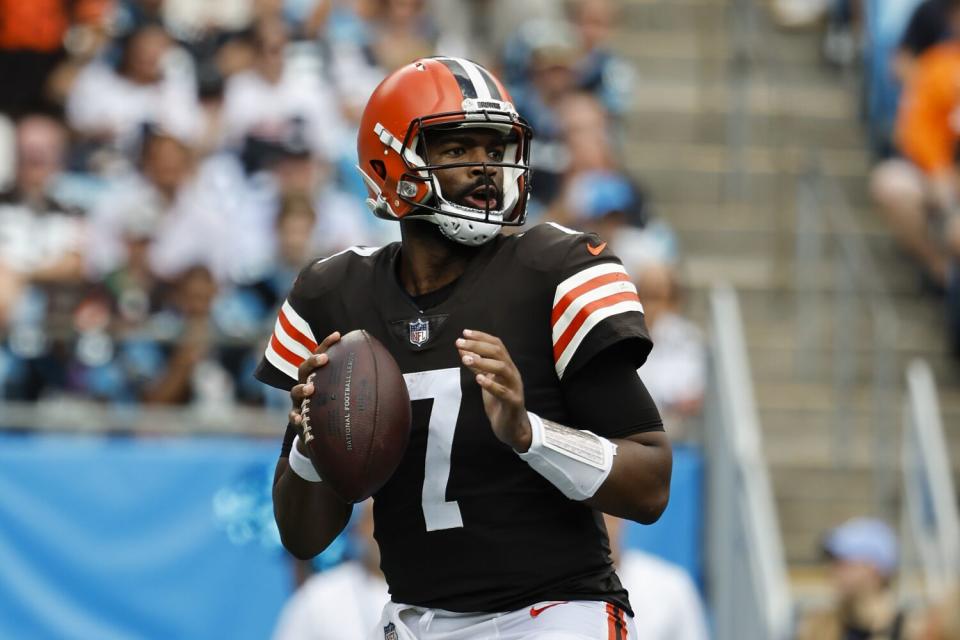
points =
(520, 355)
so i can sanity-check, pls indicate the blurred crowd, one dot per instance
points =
(168, 166)
(909, 51)
(864, 560)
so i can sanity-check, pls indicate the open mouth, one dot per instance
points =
(483, 197)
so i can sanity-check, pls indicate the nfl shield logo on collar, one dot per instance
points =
(419, 332)
(390, 632)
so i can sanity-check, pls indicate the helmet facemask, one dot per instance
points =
(460, 222)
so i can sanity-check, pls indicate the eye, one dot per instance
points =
(496, 154)
(455, 152)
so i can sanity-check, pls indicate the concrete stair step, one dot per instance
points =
(713, 128)
(791, 363)
(686, 32)
(689, 217)
(672, 14)
(838, 438)
(910, 340)
(704, 186)
(818, 396)
(752, 267)
(774, 160)
(696, 71)
(765, 97)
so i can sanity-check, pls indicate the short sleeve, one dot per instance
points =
(595, 305)
(294, 337)
(313, 310)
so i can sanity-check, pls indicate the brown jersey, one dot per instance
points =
(464, 524)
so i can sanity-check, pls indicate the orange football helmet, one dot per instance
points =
(448, 93)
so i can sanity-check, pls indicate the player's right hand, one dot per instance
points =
(305, 389)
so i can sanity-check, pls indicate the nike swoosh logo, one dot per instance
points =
(595, 250)
(534, 612)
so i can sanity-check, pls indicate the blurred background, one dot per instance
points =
(779, 177)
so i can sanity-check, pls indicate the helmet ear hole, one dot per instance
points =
(379, 168)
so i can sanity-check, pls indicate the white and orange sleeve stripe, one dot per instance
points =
(584, 300)
(292, 341)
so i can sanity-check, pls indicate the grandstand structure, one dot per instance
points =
(755, 153)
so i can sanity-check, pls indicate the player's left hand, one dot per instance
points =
(501, 385)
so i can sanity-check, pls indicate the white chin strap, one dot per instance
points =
(467, 226)
(472, 233)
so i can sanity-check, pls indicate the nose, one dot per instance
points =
(479, 154)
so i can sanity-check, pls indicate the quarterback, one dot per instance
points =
(520, 355)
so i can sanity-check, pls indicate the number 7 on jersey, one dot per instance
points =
(443, 387)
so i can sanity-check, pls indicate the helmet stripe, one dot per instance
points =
(467, 88)
(479, 83)
(491, 85)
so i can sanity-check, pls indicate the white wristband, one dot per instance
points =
(575, 462)
(301, 464)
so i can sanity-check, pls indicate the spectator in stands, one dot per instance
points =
(192, 371)
(32, 36)
(547, 104)
(341, 221)
(928, 26)
(863, 560)
(600, 71)
(588, 152)
(377, 38)
(197, 220)
(295, 229)
(587, 134)
(595, 194)
(133, 288)
(924, 182)
(342, 603)
(261, 102)
(479, 30)
(41, 245)
(676, 370)
(41, 241)
(551, 77)
(293, 169)
(665, 601)
(153, 82)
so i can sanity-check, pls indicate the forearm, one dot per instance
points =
(308, 514)
(638, 487)
(637, 483)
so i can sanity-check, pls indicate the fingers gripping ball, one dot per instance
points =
(356, 424)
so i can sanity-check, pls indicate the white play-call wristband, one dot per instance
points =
(301, 464)
(575, 462)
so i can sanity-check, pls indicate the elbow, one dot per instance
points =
(300, 554)
(298, 549)
(652, 507)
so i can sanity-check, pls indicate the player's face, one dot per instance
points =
(471, 186)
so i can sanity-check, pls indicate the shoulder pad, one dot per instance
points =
(323, 275)
(548, 246)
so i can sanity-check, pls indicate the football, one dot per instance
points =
(356, 424)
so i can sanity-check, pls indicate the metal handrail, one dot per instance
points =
(826, 226)
(931, 516)
(745, 532)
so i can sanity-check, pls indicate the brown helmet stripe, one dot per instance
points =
(463, 78)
